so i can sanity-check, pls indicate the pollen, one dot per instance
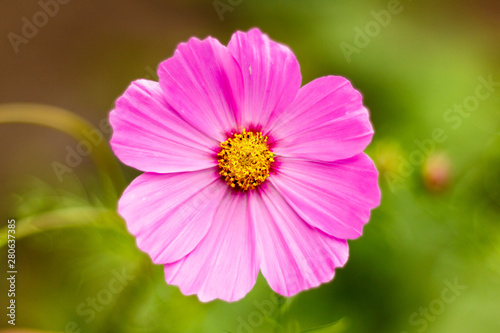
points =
(245, 160)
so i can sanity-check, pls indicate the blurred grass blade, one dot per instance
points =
(71, 124)
(24, 330)
(339, 326)
(67, 217)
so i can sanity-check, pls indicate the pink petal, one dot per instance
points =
(271, 76)
(169, 214)
(224, 265)
(335, 197)
(149, 136)
(327, 121)
(294, 255)
(203, 83)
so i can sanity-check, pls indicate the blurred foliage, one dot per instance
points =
(439, 221)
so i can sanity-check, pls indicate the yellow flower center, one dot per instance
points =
(245, 160)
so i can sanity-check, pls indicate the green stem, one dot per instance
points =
(284, 304)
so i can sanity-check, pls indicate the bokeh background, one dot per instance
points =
(429, 260)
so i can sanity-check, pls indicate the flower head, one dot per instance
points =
(245, 170)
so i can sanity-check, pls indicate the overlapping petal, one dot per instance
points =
(169, 214)
(225, 264)
(149, 136)
(294, 255)
(271, 76)
(327, 122)
(335, 197)
(203, 83)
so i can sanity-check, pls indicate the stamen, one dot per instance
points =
(245, 160)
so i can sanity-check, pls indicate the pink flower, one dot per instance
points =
(244, 169)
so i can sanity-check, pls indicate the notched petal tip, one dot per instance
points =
(294, 255)
(148, 135)
(202, 83)
(326, 122)
(335, 197)
(224, 265)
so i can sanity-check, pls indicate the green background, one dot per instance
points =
(438, 223)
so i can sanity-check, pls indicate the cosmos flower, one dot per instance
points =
(245, 170)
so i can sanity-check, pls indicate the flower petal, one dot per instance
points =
(294, 255)
(327, 122)
(149, 136)
(169, 214)
(203, 83)
(335, 197)
(224, 265)
(271, 76)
